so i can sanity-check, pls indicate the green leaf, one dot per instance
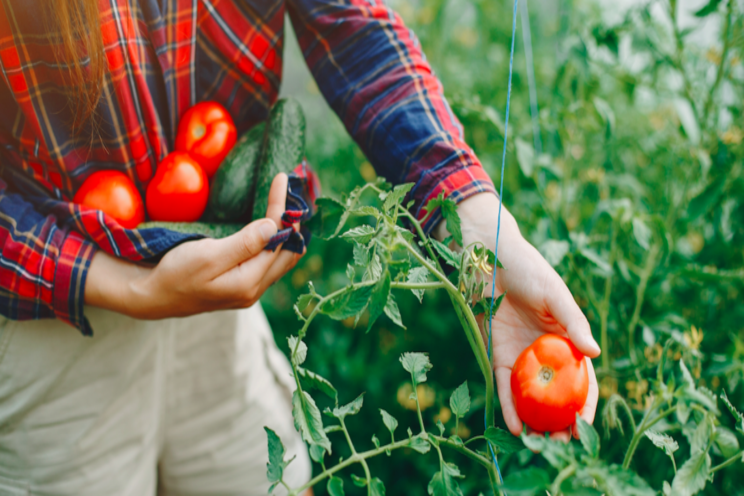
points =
(692, 476)
(275, 467)
(304, 300)
(484, 306)
(705, 201)
(449, 211)
(316, 452)
(377, 488)
(358, 481)
(608, 116)
(726, 441)
(307, 420)
(311, 380)
(328, 218)
(663, 441)
(350, 272)
(642, 233)
(503, 440)
(554, 251)
(701, 435)
(709, 8)
(390, 422)
(418, 275)
(361, 255)
(604, 267)
(440, 426)
(737, 415)
(362, 234)
(588, 437)
(366, 210)
(419, 444)
(460, 400)
(527, 482)
(335, 487)
(444, 483)
(392, 311)
(374, 269)
(375, 441)
(379, 300)
(449, 256)
(525, 156)
(348, 304)
(557, 454)
(396, 196)
(341, 412)
(417, 364)
(615, 480)
(298, 357)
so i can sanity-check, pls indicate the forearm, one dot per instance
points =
(110, 283)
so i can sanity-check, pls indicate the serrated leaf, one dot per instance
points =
(366, 210)
(420, 445)
(615, 480)
(417, 364)
(737, 415)
(298, 356)
(390, 422)
(348, 304)
(526, 482)
(557, 454)
(362, 234)
(444, 483)
(304, 300)
(379, 299)
(701, 435)
(328, 219)
(503, 440)
(460, 400)
(486, 307)
(361, 255)
(663, 441)
(341, 412)
(392, 311)
(374, 269)
(307, 420)
(311, 380)
(276, 465)
(448, 209)
(726, 441)
(692, 475)
(396, 196)
(588, 437)
(450, 257)
(418, 275)
(335, 487)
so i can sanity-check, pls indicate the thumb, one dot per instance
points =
(568, 314)
(245, 244)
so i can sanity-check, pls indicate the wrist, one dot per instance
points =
(116, 285)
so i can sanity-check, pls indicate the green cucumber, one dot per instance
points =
(209, 229)
(230, 194)
(283, 150)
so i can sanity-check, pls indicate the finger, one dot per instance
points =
(503, 384)
(283, 264)
(568, 314)
(277, 199)
(590, 407)
(563, 436)
(243, 245)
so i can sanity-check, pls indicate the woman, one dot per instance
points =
(157, 394)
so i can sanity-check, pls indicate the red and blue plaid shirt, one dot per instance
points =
(164, 56)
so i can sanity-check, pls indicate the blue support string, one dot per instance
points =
(498, 223)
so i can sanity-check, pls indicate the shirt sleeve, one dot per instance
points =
(371, 70)
(42, 267)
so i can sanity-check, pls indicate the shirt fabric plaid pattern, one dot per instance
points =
(164, 56)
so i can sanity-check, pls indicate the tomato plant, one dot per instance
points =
(550, 383)
(179, 190)
(115, 194)
(207, 132)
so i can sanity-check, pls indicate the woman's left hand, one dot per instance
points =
(537, 302)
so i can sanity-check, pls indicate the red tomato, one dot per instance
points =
(115, 194)
(179, 190)
(207, 132)
(550, 382)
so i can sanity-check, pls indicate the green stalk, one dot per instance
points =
(728, 462)
(604, 311)
(639, 432)
(645, 275)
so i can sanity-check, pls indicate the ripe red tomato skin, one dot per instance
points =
(553, 406)
(207, 132)
(114, 193)
(179, 190)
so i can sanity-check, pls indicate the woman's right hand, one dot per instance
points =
(196, 276)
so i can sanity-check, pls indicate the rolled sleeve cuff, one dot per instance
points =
(460, 185)
(68, 298)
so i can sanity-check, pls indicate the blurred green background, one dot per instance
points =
(637, 200)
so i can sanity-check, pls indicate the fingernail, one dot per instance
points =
(267, 229)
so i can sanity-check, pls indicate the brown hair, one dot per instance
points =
(78, 31)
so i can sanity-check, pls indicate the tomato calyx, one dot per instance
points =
(545, 375)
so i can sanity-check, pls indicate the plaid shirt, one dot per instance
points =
(164, 56)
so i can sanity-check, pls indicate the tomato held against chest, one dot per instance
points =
(115, 194)
(550, 383)
(179, 190)
(207, 133)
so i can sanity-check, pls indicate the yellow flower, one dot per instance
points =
(607, 387)
(653, 353)
(732, 136)
(693, 338)
(426, 396)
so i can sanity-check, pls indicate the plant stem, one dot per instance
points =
(354, 452)
(721, 64)
(728, 462)
(639, 432)
(604, 310)
(645, 275)
(562, 475)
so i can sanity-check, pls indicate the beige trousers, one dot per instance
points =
(169, 407)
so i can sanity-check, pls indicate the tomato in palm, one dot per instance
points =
(207, 132)
(179, 190)
(115, 194)
(550, 383)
